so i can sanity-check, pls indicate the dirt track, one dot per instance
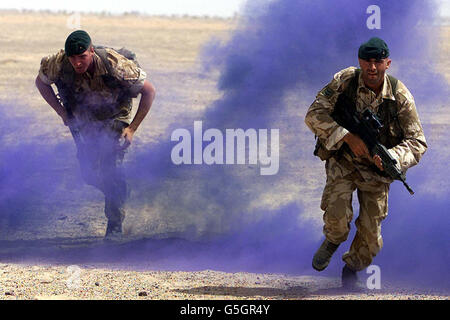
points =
(73, 269)
(58, 282)
(172, 59)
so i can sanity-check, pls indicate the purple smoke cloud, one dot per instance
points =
(280, 48)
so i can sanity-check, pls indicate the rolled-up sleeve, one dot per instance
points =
(136, 86)
(50, 67)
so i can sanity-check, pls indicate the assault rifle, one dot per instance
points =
(367, 126)
(73, 127)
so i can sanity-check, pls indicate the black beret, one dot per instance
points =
(77, 42)
(375, 48)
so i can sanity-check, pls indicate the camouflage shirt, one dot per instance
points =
(94, 99)
(407, 153)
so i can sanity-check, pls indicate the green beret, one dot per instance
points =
(375, 48)
(77, 43)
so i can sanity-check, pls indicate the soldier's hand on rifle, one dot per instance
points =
(357, 146)
(377, 160)
(127, 137)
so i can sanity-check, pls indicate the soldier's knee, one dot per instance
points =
(338, 212)
(336, 230)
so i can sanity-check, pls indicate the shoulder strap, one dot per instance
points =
(388, 113)
(346, 102)
(101, 52)
(109, 79)
(391, 106)
(394, 82)
(64, 84)
(352, 87)
(67, 74)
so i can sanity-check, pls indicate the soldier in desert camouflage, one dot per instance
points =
(357, 170)
(95, 88)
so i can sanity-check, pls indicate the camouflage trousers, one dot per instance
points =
(337, 204)
(100, 158)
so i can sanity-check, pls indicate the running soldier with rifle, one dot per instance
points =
(369, 133)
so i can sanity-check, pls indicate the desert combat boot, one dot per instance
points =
(113, 231)
(350, 280)
(323, 255)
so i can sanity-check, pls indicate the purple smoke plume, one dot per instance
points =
(287, 46)
(281, 54)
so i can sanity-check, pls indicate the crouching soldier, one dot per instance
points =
(95, 90)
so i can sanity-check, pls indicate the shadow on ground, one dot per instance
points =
(292, 292)
(295, 292)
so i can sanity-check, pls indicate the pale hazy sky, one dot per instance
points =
(223, 8)
(445, 8)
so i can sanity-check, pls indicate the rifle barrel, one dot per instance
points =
(408, 188)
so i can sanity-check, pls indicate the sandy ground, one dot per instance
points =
(94, 282)
(172, 58)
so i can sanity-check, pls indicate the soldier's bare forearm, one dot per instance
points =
(49, 96)
(147, 96)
